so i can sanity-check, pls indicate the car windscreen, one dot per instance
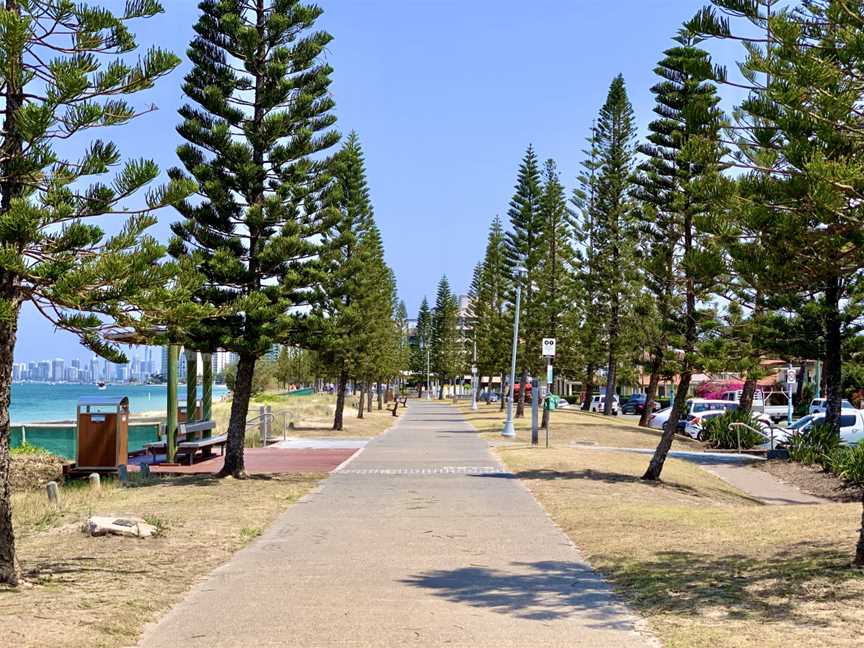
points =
(801, 423)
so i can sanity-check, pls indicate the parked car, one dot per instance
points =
(819, 405)
(695, 425)
(629, 406)
(655, 407)
(598, 404)
(851, 426)
(775, 404)
(693, 406)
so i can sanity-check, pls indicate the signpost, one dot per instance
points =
(790, 387)
(548, 351)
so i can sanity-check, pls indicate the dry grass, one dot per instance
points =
(572, 427)
(86, 591)
(703, 563)
(311, 416)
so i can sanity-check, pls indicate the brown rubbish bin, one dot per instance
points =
(103, 432)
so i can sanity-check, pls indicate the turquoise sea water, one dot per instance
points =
(35, 402)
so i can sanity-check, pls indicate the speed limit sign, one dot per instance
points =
(549, 347)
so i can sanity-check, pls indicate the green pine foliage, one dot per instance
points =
(257, 126)
(69, 70)
(525, 250)
(446, 342)
(615, 224)
(489, 310)
(687, 137)
(422, 340)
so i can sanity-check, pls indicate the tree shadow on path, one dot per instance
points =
(538, 591)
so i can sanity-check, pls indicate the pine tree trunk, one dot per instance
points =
(441, 390)
(589, 387)
(520, 404)
(369, 398)
(653, 382)
(611, 379)
(340, 400)
(9, 570)
(234, 463)
(655, 468)
(361, 406)
(380, 397)
(503, 395)
(833, 355)
(748, 391)
(859, 548)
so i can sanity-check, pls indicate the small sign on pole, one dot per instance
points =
(549, 347)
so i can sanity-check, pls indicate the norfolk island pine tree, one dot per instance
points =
(525, 249)
(257, 127)
(63, 86)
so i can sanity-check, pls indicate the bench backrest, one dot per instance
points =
(200, 426)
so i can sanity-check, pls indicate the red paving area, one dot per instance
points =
(259, 461)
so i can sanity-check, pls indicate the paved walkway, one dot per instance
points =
(738, 471)
(421, 540)
(259, 461)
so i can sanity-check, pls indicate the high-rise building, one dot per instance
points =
(58, 370)
(76, 363)
(32, 371)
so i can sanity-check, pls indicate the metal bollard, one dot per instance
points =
(145, 471)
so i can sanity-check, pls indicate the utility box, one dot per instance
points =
(103, 432)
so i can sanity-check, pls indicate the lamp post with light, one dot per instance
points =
(509, 430)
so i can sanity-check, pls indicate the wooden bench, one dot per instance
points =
(198, 436)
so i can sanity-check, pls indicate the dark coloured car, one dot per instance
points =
(631, 404)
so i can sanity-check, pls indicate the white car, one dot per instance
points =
(851, 426)
(819, 405)
(696, 423)
(693, 406)
(598, 404)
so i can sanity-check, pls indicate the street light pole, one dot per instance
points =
(509, 430)
(428, 376)
(474, 380)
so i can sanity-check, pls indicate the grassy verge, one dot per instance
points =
(311, 416)
(702, 562)
(86, 591)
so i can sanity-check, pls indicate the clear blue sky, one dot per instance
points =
(446, 95)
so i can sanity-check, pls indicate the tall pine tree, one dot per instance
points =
(258, 119)
(693, 121)
(446, 341)
(615, 221)
(525, 250)
(342, 334)
(65, 74)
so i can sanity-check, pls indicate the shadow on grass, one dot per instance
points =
(790, 585)
(38, 571)
(778, 587)
(594, 475)
(539, 591)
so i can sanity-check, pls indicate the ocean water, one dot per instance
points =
(37, 402)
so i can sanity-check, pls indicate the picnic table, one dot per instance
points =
(192, 438)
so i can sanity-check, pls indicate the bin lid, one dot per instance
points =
(103, 401)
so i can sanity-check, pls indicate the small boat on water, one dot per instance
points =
(102, 385)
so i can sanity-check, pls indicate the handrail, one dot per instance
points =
(737, 426)
(265, 423)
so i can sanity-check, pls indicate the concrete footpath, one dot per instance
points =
(421, 540)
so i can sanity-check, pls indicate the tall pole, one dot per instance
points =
(474, 379)
(171, 418)
(207, 387)
(428, 376)
(508, 430)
